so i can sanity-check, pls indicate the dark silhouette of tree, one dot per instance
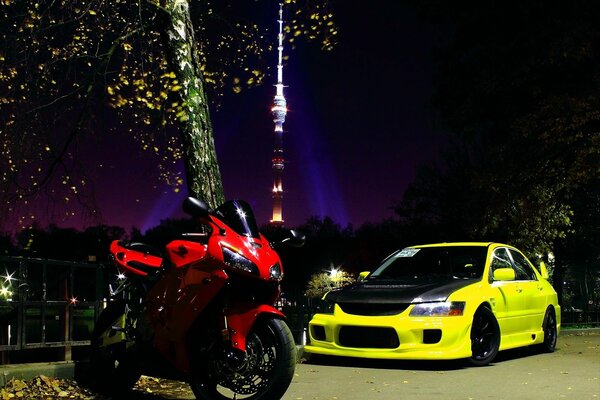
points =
(7, 246)
(167, 230)
(67, 244)
(580, 251)
(517, 84)
(327, 246)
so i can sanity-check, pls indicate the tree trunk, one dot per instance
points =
(557, 281)
(200, 158)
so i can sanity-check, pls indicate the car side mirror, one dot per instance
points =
(544, 271)
(196, 208)
(504, 274)
(294, 239)
(363, 275)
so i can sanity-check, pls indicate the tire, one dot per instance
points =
(269, 367)
(550, 331)
(113, 367)
(485, 337)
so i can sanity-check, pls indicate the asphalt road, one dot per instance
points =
(571, 372)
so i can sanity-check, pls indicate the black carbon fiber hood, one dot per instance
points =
(393, 292)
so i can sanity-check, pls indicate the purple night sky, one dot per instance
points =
(359, 124)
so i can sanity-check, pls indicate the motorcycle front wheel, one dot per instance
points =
(266, 373)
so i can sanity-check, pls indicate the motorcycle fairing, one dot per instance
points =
(136, 258)
(183, 252)
(175, 302)
(241, 319)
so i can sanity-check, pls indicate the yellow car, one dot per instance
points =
(440, 301)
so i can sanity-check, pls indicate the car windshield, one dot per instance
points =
(456, 262)
(238, 215)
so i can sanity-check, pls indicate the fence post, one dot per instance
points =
(65, 285)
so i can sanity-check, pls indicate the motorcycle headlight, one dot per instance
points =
(275, 272)
(438, 309)
(236, 260)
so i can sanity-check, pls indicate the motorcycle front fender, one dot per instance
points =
(241, 319)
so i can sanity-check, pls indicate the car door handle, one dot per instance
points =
(519, 290)
(540, 288)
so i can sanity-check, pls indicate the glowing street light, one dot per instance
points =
(334, 273)
(8, 278)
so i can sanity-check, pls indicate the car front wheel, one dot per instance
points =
(485, 337)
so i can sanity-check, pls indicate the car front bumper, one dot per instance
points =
(390, 337)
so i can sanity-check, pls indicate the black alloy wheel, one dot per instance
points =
(550, 331)
(485, 337)
(265, 374)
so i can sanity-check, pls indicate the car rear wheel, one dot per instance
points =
(485, 337)
(550, 331)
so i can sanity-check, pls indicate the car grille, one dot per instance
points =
(368, 337)
(373, 309)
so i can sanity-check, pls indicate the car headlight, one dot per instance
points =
(236, 260)
(438, 309)
(275, 272)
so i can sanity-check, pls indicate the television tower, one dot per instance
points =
(279, 110)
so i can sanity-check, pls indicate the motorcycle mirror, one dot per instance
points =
(295, 239)
(195, 207)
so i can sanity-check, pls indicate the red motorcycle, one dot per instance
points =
(203, 313)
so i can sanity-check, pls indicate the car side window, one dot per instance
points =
(500, 259)
(523, 270)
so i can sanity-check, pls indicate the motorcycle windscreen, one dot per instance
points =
(238, 215)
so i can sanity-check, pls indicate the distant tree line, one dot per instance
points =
(517, 87)
(329, 246)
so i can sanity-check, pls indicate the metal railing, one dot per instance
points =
(572, 318)
(48, 303)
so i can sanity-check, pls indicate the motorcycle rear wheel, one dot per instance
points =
(271, 362)
(113, 367)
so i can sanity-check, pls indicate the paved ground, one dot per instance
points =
(572, 372)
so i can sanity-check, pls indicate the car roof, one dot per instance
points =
(454, 244)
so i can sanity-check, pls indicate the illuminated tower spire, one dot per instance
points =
(279, 110)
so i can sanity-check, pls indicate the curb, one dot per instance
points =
(60, 369)
(579, 331)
